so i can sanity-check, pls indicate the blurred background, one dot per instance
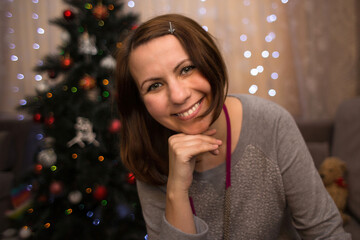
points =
(59, 144)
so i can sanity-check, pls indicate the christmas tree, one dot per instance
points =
(79, 188)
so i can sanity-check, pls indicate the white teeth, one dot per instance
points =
(190, 111)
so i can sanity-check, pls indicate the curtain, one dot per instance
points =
(302, 54)
(324, 38)
(26, 37)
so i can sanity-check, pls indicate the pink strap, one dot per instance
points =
(228, 148)
(192, 206)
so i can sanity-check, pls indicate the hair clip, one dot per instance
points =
(171, 29)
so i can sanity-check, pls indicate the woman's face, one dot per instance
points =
(174, 92)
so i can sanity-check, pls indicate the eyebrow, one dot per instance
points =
(156, 78)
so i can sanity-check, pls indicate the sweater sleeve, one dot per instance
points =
(314, 213)
(152, 199)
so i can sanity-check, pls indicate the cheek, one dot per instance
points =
(203, 85)
(155, 105)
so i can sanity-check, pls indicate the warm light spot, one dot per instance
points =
(272, 92)
(68, 211)
(49, 95)
(46, 225)
(131, 4)
(265, 54)
(202, 11)
(88, 6)
(247, 54)
(105, 82)
(243, 37)
(88, 190)
(274, 75)
(253, 89)
(101, 158)
(254, 72)
(74, 156)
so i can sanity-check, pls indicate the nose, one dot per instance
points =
(178, 91)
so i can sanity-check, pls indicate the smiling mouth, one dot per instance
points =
(189, 112)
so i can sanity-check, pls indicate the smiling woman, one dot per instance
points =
(205, 161)
(199, 58)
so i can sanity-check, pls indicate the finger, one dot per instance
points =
(215, 152)
(190, 140)
(188, 152)
(210, 132)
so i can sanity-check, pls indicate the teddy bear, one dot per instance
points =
(332, 171)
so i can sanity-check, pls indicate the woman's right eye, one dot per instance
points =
(154, 86)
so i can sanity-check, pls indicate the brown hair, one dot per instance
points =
(144, 142)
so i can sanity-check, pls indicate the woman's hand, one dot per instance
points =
(183, 151)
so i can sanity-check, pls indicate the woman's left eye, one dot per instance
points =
(154, 86)
(187, 69)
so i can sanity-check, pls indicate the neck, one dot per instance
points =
(208, 160)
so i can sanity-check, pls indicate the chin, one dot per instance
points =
(196, 129)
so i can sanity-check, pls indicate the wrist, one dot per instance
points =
(174, 192)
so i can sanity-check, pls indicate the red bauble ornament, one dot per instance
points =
(115, 126)
(68, 14)
(131, 178)
(38, 168)
(134, 27)
(100, 193)
(42, 198)
(66, 62)
(49, 120)
(52, 74)
(37, 117)
(87, 82)
(56, 187)
(100, 11)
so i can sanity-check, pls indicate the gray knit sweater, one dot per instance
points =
(276, 191)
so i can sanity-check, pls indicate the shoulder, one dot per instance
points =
(261, 109)
(263, 122)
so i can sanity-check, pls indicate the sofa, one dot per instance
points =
(340, 137)
(19, 141)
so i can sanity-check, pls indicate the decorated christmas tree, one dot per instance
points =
(79, 188)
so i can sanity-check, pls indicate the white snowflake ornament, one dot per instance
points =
(108, 62)
(84, 133)
(47, 157)
(87, 44)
